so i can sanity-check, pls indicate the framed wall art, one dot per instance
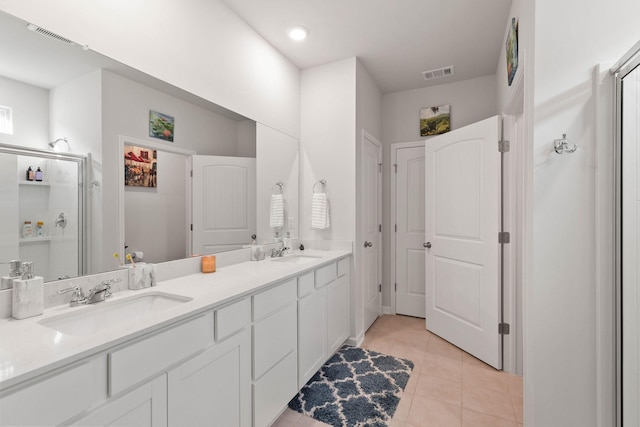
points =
(161, 126)
(435, 120)
(140, 167)
(512, 50)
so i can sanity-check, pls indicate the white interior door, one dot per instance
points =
(462, 224)
(224, 203)
(371, 204)
(410, 238)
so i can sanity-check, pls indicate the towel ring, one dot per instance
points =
(321, 182)
(275, 187)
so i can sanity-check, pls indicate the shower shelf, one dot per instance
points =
(36, 183)
(43, 239)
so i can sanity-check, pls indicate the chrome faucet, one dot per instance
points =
(96, 294)
(278, 252)
(99, 293)
(77, 298)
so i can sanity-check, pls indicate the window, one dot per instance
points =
(6, 120)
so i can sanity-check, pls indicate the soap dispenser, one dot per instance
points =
(15, 273)
(28, 294)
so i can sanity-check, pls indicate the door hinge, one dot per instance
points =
(380, 287)
(395, 287)
(395, 166)
(379, 228)
(504, 237)
(396, 228)
(191, 227)
(504, 146)
(380, 167)
(503, 328)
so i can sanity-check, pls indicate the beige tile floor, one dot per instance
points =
(447, 387)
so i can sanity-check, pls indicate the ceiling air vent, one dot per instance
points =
(48, 33)
(438, 73)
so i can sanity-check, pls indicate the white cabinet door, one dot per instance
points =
(312, 334)
(338, 313)
(144, 406)
(213, 388)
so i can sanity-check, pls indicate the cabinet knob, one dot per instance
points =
(368, 244)
(427, 245)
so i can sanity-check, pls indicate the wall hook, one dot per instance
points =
(562, 146)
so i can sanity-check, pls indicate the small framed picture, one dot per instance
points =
(140, 167)
(512, 50)
(435, 120)
(161, 126)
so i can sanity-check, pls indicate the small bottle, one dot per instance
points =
(39, 229)
(30, 174)
(39, 174)
(27, 229)
(286, 242)
(6, 282)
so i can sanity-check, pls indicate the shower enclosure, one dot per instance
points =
(627, 77)
(51, 202)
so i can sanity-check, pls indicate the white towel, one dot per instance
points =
(276, 211)
(320, 211)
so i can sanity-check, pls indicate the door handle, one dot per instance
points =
(427, 245)
(368, 244)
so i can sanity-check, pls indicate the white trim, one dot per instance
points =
(122, 139)
(357, 340)
(386, 309)
(392, 218)
(366, 135)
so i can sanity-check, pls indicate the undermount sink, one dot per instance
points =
(95, 318)
(296, 259)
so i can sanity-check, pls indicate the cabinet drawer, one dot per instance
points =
(58, 397)
(231, 319)
(305, 284)
(343, 267)
(273, 338)
(272, 299)
(326, 274)
(273, 391)
(136, 362)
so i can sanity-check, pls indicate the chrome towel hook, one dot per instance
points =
(562, 146)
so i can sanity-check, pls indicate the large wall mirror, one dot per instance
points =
(53, 89)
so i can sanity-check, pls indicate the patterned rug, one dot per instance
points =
(355, 388)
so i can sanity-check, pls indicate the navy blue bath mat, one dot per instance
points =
(355, 388)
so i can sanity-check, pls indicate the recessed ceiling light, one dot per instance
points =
(297, 33)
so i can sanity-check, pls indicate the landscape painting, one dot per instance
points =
(161, 126)
(435, 120)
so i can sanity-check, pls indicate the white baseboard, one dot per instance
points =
(356, 341)
(386, 309)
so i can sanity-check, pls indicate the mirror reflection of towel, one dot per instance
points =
(320, 211)
(276, 211)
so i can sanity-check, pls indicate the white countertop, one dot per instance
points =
(28, 348)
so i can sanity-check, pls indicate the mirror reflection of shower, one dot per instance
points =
(61, 221)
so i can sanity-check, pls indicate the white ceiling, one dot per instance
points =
(395, 40)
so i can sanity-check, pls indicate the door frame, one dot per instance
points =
(392, 218)
(359, 233)
(122, 141)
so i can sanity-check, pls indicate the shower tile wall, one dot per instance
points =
(56, 254)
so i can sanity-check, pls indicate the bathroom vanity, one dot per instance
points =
(229, 348)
